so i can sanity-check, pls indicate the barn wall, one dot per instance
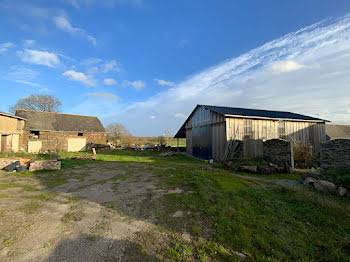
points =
(189, 146)
(58, 141)
(306, 132)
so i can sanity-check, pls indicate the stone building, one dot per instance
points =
(49, 131)
(11, 132)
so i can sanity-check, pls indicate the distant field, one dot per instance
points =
(155, 141)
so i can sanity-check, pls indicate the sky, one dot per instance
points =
(147, 64)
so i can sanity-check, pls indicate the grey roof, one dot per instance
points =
(260, 113)
(337, 131)
(10, 115)
(246, 112)
(49, 121)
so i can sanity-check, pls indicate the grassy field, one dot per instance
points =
(222, 216)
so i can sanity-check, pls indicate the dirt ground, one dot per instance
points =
(92, 216)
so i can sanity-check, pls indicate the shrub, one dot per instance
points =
(340, 177)
(303, 156)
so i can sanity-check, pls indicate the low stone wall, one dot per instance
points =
(279, 152)
(335, 154)
(45, 164)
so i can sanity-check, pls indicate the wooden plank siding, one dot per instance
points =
(225, 128)
(189, 146)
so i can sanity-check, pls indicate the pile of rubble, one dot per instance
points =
(13, 165)
(168, 153)
(258, 169)
(312, 179)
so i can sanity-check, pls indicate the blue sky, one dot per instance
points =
(147, 64)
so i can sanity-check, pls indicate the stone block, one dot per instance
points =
(44, 164)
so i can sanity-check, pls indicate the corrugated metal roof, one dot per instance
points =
(246, 112)
(260, 113)
(49, 121)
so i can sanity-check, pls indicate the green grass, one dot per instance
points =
(71, 217)
(276, 224)
(7, 185)
(45, 196)
(292, 176)
(72, 199)
(4, 196)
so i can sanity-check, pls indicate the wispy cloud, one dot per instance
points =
(22, 75)
(39, 57)
(106, 3)
(106, 96)
(64, 24)
(5, 47)
(138, 85)
(248, 81)
(79, 77)
(182, 43)
(110, 82)
(111, 66)
(162, 82)
(29, 42)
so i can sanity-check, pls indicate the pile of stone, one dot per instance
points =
(311, 179)
(257, 169)
(168, 153)
(11, 165)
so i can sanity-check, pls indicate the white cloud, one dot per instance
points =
(138, 85)
(106, 96)
(182, 43)
(248, 81)
(63, 23)
(79, 77)
(29, 42)
(111, 66)
(39, 57)
(5, 46)
(152, 117)
(179, 115)
(164, 83)
(285, 66)
(110, 82)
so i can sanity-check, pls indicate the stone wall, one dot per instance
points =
(279, 152)
(335, 154)
(58, 141)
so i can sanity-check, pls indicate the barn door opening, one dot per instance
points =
(4, 139)
(202, 143)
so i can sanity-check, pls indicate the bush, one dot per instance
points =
(303, 156)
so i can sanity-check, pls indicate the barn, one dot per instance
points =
(50, 131)
(208, 129)
(11, 132)
(337, 131)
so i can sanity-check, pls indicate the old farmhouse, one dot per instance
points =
(48, 131)
(11, 132)
(208, 128)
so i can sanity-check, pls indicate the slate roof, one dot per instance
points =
(337, 131)
(10, 115)
(246, 112)
(49, 121)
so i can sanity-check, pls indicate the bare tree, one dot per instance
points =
(117, 132)
(44, 103)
